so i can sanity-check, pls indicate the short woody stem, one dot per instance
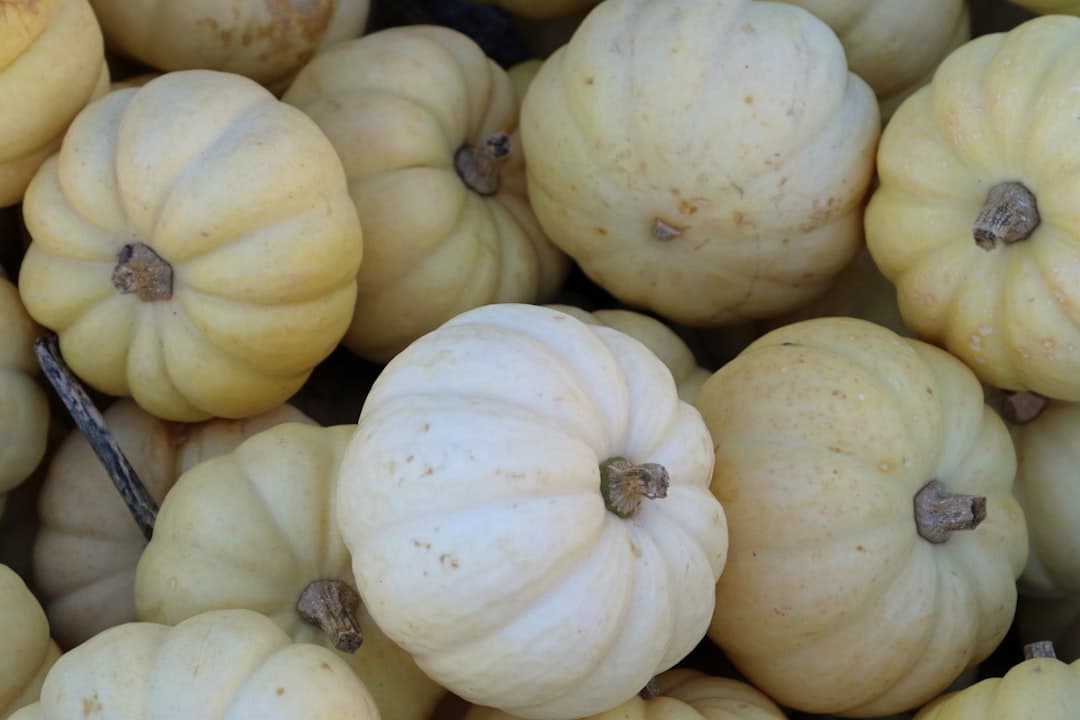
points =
(938, 512)
(479, 166)
(1009, 215)
(624, 484)
(650, 691)
(665, 231)
(1042, 648)
(143, 273)
(89, 420)
(331, 605)
(1020, 408)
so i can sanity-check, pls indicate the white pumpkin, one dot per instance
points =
(526, 502)
(26, 651)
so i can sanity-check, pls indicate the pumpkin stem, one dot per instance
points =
(651, 690)
(1020, 408)
(624, 484)
(89, 420)
(479, 167)
(1042, 648)
(332, 605)
(665, 231)
(1009, 215)
(939, 512)
(143, 273)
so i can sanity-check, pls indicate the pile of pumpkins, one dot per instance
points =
(723, 360)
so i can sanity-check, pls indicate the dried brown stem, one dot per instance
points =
(624, 484)
(143, 273)
(479, 166)
(651, 690)
(665, 231)
(1020, 408)
(331, 605)
(89, 420)
(1042, 648)
(939, 513)
(1009, 215)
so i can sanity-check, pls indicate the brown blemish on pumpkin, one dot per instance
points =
(91, 706)
(325, 665)
(600, 231)
(448, 560)
(860, 548)
(421, 544)
(590, 80)
(749, 99)
(280, 691)
(428, 470)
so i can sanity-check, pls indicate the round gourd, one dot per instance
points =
(1054, 619)
(679, 694)
(24, 408)
(655, 335)
(87, 546)
(265, 40)
(894, 45)
(1048, 489)
(973, 220)
(255, 528)
(52, 63)
(28, 651)
(875, 541)
(1040, 687)
(426, 126)
(526, 502)
(194, 246)
(541, 8)
(705, 161)
(224, 665)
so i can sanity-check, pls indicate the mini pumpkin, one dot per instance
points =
(194, 247)
(678, 693)
(705, 161)
(24, 408)
(52, 64)
(894, 45)
(1040, 687)
(974, 221)
(655, 335)
(28, 651)
(875, 540)
(426, 126)
(255, 528)
(224, 665)
(265, 40)
(87, 546)
(543, 547)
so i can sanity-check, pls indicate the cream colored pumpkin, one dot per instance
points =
(265, 40)
(680, 694)
(1054, 619)
(255, 528)
(894, 45)
(87, 545)
(447, 226)
(958, 164)
(1048, 488)
(474, 497)
(706, 161)
(541, 8)
(225, 665)
(847, 589)
(52, 63)
(24, 408)
(27, 651)
(1042, 688)
(194, 246)
(655, 335)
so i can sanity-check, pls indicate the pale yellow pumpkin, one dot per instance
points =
(541, 8)
(1039, 688)
(24, 408)
(705, 161)
(26, 652)
(680, 694)
(265, 40)
(256, 528)
(853, 464)
(194, 246)
(1048, 488)
(225, 665)
(419, 115)
(975, 220)
(52, 63)
(894, 45)
(1054, 619)
(655, 335)
(87, 545)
